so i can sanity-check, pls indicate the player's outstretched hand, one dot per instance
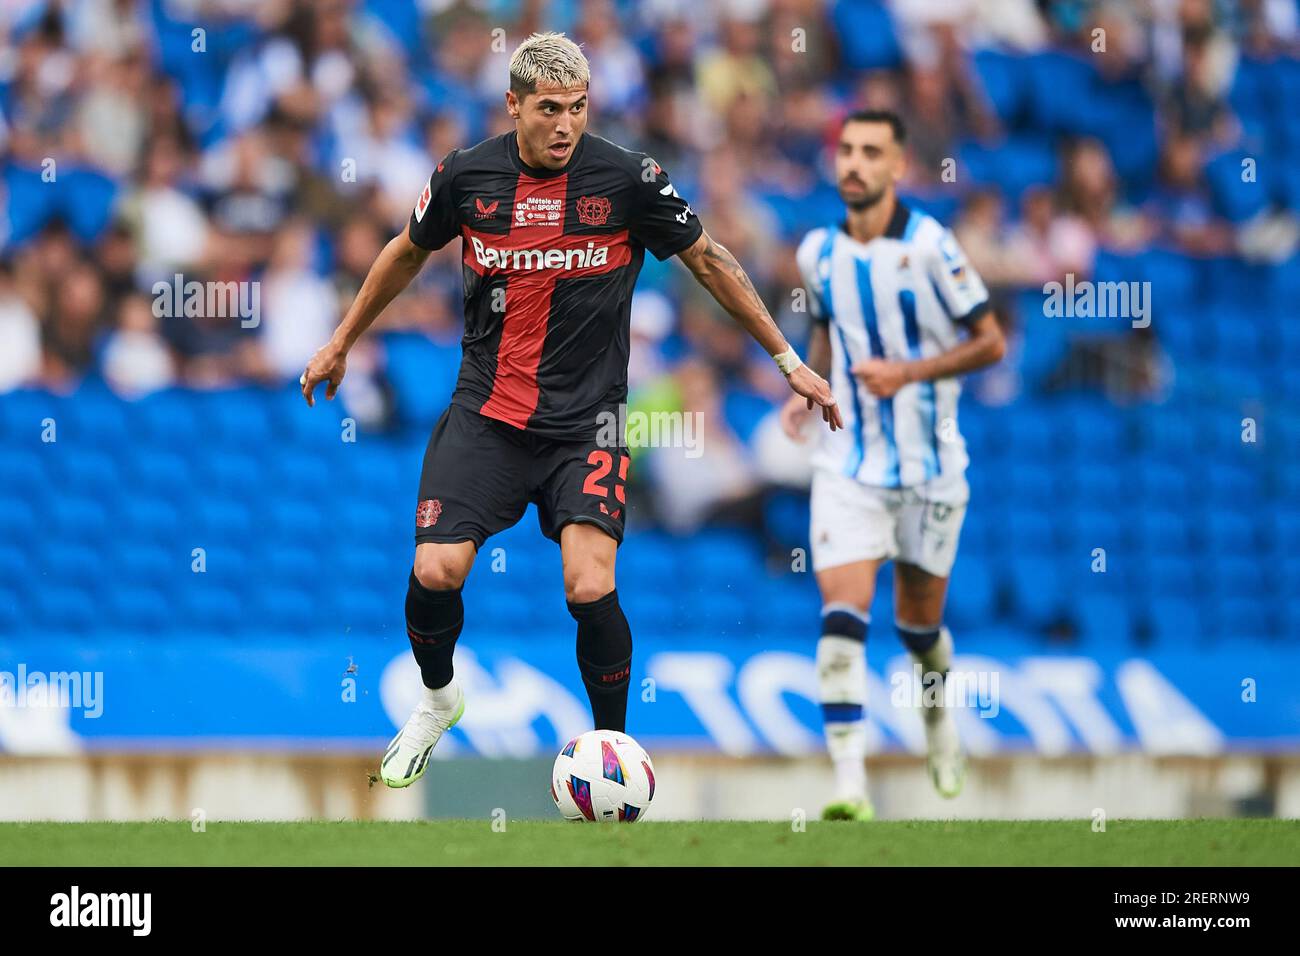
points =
(794, 415)
(329, 364)
(815, 389)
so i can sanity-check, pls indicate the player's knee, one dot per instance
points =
(583, 587)
(439, 570)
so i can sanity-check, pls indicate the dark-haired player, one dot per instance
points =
(901, 314)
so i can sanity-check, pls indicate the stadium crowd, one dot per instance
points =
(283, 141)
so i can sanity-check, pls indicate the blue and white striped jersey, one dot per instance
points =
(901, 296)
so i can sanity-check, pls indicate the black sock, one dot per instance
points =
(605, 659)
(433, 622)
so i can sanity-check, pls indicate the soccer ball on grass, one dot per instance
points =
(604, 777)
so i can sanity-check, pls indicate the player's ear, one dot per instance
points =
(512, 104)
(900, 164)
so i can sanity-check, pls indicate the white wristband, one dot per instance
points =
(787, 361)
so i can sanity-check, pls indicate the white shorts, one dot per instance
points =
(919, 525)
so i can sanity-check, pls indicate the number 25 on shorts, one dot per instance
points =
(603, 463)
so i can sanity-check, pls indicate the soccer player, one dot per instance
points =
(554, 224)
(892, 295)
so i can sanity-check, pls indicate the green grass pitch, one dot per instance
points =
(530, 842)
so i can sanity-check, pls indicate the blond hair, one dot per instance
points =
(550, 58)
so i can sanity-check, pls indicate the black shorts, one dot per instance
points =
(479, 475)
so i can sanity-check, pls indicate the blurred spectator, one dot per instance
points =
(299, 306)
(1196, 104)
(736, 69)
(237, 165)
(20, 333)
(1181, 206)
(136, 358)
(78, 312)
(1090, 191)
(170, 228)
(1048, 244)
(691, 489)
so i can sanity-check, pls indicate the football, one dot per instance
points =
(604, 777)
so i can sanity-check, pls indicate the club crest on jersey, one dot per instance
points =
(594, 210)
(485, 210)
(427, 512)
(423, 203)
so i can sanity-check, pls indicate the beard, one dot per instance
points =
(863, 200)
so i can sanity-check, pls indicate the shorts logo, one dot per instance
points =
(594, 210)
(427, 512)
(486, 210)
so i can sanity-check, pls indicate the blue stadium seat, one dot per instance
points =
(1175, 623)
(145, 610)
(214, 608)
(423, 373)
(972, 593)
(1033, 531)
(1006, 83)
(1039, 597)
(1171, 574)
(1238, 619)
(1235, 198)
(1104, 620)
(1163, 484)
(1085, 529)
(65, 607)
(1162, 532)
(867, 34)
(1034, 484)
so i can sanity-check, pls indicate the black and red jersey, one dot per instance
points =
(550, 258)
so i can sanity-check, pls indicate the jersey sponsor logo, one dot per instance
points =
(539, 211)
(423, 202)
(594, 210)
(671, 190)
(534, 260)
(485, 210)
(427, 513)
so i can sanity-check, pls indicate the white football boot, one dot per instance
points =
(407, 755)
(944, 757)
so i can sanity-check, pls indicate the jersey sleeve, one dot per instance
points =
(433, 221)
(664, 222)
(806, 257)
(959, 286)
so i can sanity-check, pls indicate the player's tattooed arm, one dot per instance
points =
(819, 349)
(394, 268)
(715, 268)
(984, 346)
